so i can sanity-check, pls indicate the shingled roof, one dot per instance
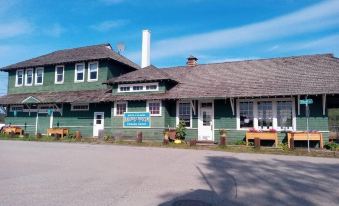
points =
(95, 52)
(150, 73)
(299, 75)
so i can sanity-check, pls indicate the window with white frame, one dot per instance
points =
(18, 108)
(79, 75)
(29, 77)
(151, 87)
(154, 108)
(120, 108)
(285, 115)
(184, 113)
(93, 71)
(264, 114)
(59, 74)
(124, 88)
(39, 76)
(246, 114)
(138, 88)
(79, 107)
(19, 80)
(141, 87)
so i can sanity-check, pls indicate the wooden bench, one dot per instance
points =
(12, 129)
(302, 136)
(55, 131)
(262, 136)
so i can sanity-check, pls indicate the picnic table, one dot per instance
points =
(55, 131)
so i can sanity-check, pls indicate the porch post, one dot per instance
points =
(36, 122)
(324, 104)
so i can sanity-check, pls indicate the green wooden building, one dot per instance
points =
(93, 88)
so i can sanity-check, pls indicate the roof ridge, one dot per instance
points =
(260, 59)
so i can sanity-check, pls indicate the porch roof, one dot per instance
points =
(88, 96)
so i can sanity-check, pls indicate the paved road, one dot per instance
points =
(33, 173)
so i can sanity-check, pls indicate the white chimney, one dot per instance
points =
(146, 49)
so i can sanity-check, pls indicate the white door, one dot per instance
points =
(205, 124)
(98, 123)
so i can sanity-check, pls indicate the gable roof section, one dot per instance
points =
(147, 74)
(88, 53)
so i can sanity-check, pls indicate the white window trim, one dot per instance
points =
(16, 78)
(63, 74)
(76, 73)
(89, 72)
(115, 108)
(140, 84)
(26, 77)
(82, 104)
(36, 76)
(160, 109)
(177, 113)
(44, 111)
(274, 109)
(11, 108)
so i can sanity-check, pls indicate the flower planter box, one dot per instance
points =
(262, 136)
(302, 136)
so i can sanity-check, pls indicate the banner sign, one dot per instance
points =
(137, 120)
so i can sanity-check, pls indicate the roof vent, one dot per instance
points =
(192, 61)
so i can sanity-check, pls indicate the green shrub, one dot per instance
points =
(332, 146)
(240, 142)
(284, 146)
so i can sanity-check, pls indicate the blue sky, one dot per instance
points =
(212, 30)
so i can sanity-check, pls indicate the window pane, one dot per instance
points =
(93, 75)
(80, 76)
(80, 72)
(185, 113)
(124, 89)
(246, 114)
(60, 70)
(59, 74)
(265, 114)
(39, 74)
(284, 114)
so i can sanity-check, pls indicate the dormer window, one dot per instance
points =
(141, 87)
(19, 81)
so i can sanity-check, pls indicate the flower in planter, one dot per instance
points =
(272, 130)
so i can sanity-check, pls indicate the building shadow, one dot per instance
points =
(235, 181)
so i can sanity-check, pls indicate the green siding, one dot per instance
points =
(107, 69)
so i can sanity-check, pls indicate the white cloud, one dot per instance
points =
(324, 44)
(108, 25)
(14, 28)
(56, 30)
(311, 19)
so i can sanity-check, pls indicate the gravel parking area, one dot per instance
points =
(42, 173)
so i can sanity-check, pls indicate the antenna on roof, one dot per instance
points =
(120, 47)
